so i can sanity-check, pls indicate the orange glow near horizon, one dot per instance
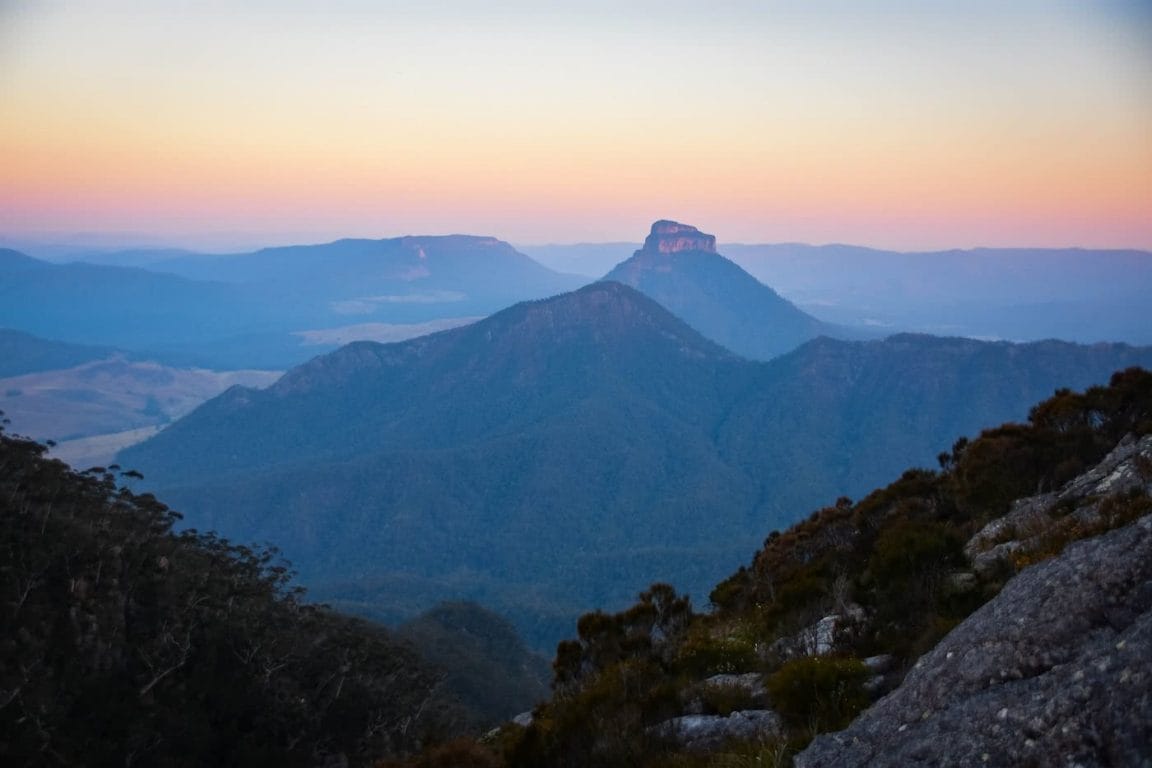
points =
(534, 139)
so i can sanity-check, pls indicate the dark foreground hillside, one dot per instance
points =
(123, 643)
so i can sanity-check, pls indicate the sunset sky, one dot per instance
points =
(909, 125)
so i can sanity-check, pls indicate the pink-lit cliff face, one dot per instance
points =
(904, 125)
(674, 237)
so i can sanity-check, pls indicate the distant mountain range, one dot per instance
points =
(270, 308)
(114, 306)
(254, 310)
(679, 267)
(477, 267)
(564, 453)
(1013, 293)
(1022, 294)
(22, 353)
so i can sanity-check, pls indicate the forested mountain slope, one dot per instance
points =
(840, 609)
(563, 453)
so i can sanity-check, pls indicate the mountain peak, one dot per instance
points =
(680, 268)
(603, 313)
(672, 237)
(604, 320)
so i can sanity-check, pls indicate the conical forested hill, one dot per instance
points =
(602, 347)
(680, 268)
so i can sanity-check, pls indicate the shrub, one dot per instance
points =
(912, 550)
(818, 693)
(725, 699)
(702, 656)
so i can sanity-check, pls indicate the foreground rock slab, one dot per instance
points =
(1055, 671)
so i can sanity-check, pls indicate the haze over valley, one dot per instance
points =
(665, 416)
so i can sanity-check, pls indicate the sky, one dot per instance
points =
(913, 124)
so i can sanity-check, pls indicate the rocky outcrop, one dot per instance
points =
(674, 237)
(751, 683)
(748, 687)
(1056, 670)
(824, 636)
(1026, 528)
(697, 731)
(706, 733)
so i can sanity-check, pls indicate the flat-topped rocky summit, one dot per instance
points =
(673, 237)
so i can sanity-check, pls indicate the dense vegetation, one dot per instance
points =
(122, 642)
(126, 642)
(886, 567)
(466, 464)
(485, 665)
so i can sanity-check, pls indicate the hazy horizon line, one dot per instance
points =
(239, 241)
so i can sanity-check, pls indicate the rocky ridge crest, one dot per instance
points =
(1055, 670)
(1079, 507)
